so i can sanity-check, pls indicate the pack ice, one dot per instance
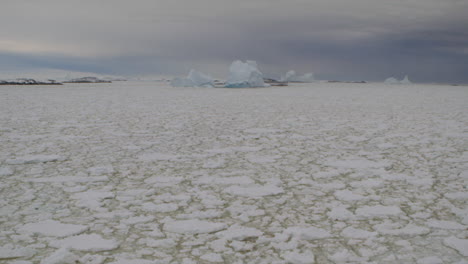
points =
(140, 173)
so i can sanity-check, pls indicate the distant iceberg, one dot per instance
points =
(393, 80)
(194, 79)
(244, 75)
(405, 80)
(291, 76)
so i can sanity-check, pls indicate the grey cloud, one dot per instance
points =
(337, 39)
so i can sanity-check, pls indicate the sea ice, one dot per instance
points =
(226, 171)
(212, 257)
(239, 233)
(445, 225)
(31, 159)
(92, 199)
(408, 230)
(92, 242)
(299, 258)
(132, 261)
(160, 208)
(61, 256)
(340, 213)
(193, 226)
(377, 211)
(243, 75)
(78, 179)
(430, 260)
(10, 252)
(461, 245)
(5, 171)
(53, 228)
(355, 233)
(194, 79)
(308, 233)
(254, 191)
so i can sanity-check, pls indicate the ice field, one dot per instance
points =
(141, 172)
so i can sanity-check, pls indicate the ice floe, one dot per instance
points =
(53, 228)
(193, 226)
(254, 191)
(88, 242)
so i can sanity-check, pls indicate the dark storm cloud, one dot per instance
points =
(336, 39)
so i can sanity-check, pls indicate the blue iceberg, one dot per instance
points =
(244, 75)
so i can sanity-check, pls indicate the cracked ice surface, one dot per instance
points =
(312, 173)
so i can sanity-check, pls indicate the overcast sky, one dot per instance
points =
(335, 39)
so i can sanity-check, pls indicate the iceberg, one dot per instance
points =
(291, 76)
(393, 80)
(244, 75)
(405, 80)
(194, 79)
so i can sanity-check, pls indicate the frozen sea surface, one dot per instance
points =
(319, 173)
